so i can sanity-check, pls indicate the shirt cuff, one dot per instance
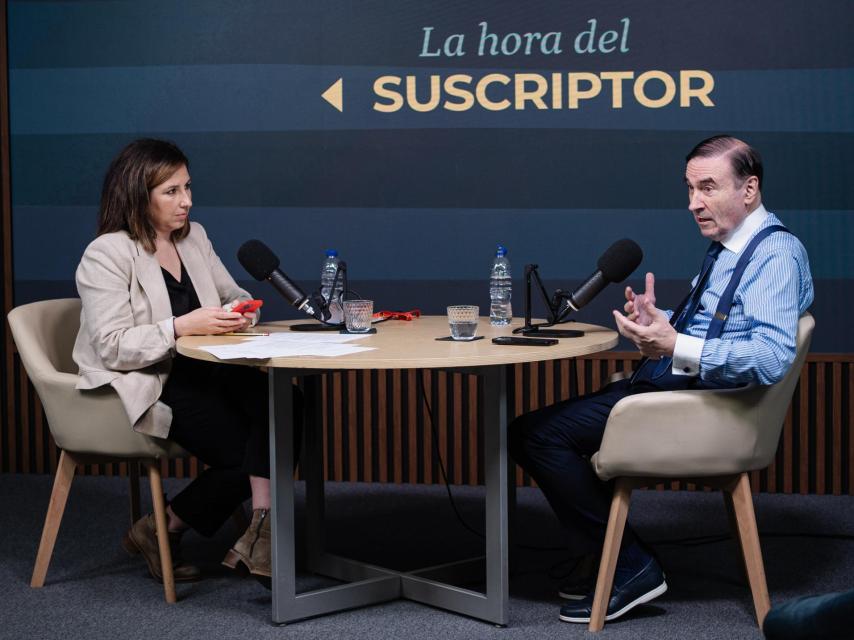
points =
(686, 355)
(167, 328)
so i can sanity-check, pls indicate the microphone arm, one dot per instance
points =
(553, 304)
(322, 305)
(341, 270)
(532, 273)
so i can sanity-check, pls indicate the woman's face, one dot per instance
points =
(170, 202)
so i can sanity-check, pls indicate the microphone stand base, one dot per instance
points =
(552, 333)
(316, 326)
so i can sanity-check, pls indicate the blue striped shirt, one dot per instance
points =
(758, 340)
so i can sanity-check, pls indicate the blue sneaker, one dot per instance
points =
(630, 590)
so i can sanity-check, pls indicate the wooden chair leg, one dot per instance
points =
(733, 526)
(162, 534)
(55, 509)
(610, 552)
(749, 535)
(133, 477)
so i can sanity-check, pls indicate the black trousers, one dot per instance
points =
(554, 446)
(220, 415)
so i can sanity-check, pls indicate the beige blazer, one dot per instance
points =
(126, 337)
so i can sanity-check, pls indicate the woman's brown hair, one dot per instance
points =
(141, 166)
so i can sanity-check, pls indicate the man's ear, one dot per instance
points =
(751, 190)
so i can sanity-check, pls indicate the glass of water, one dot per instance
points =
(462, 319)
(357, 315)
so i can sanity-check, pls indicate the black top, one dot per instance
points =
(183, 298)
(182, 294)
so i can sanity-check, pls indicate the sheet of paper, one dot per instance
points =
(284, 344)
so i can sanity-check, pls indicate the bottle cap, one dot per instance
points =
(331, 253)
(500, 251)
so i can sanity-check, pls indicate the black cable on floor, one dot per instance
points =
(435, 440)
(459, 516)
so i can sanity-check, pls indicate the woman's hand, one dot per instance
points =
(209, 321)
(252, 316)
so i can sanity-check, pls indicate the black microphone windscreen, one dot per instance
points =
(620, 259)
(257, 259)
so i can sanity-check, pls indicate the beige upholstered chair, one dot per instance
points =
(712, 438)
(89, 426)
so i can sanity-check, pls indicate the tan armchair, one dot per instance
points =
(88, 426)
(712, 438)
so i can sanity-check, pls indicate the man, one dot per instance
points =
(737, 326)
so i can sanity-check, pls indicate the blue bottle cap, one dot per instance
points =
(500, 251)
(331, 253)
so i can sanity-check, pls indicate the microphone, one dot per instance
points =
(615, 265)
(263, 264)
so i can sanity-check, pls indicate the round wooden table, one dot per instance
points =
(397, 345)
(413, 345)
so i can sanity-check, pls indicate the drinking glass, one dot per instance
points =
(462, 319)
(357, 315)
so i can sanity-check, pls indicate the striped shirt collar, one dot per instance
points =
(739, 236)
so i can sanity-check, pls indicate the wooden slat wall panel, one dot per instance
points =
(846, 431)
(820, 431)
(802, 394)
(378, 427)
(836, 412)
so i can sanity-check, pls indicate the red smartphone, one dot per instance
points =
(247, 306)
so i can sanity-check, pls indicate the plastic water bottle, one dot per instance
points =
(500, 286)
(330, 295)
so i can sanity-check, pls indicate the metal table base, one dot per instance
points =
(368, 584)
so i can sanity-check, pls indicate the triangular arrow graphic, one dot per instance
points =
(334, 95)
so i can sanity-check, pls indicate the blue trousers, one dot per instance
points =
(554, 446)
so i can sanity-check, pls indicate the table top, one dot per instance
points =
(412, 345)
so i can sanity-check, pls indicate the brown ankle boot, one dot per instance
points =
(253, 547)
(142, 538)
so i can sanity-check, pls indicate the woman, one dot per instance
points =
(150, 277)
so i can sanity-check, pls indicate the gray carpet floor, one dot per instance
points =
(94, 590)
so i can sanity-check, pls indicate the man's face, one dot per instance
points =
(716, 197)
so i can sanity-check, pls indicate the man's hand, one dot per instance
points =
(635, 307)
(655, 340)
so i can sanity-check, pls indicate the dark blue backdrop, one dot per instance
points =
(416, 201)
